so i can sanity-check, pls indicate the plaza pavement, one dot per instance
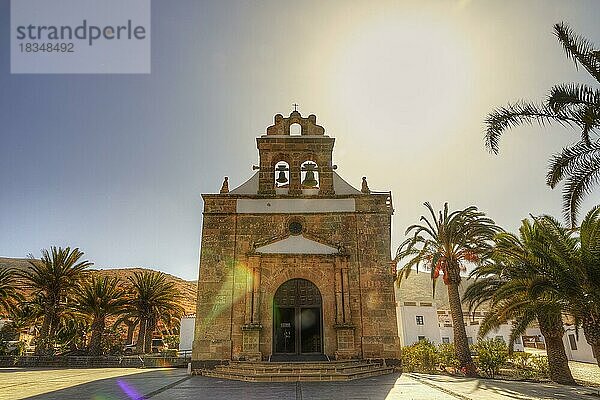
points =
(174, 384)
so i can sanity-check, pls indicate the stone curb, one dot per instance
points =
(164, 388)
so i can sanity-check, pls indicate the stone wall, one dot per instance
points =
(234, 280)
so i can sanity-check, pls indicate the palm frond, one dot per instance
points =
(571, 158)
(520, 113)
(519, 327)
(580, 183)
(572, 94)
(579, 49)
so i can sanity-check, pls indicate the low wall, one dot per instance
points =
(92, 362)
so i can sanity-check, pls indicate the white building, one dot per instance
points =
(577, 348)
(417, 321)
(423, 320)
(186, 333)
(424, 316)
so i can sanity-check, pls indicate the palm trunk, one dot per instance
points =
(45, 340)
(42, 342)
(54, 326)
(149, 333)
(96, 340)
(461, 344)
(141, 338)
(552, 329)
(591, 330)
(130, 330)
(596, 352)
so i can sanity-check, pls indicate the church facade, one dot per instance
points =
(295, 262)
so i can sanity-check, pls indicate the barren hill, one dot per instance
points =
(418, 287)
(187, 289)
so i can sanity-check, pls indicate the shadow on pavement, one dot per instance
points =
(518, 390)
(126, 387)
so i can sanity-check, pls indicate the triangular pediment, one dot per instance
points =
(296, 245)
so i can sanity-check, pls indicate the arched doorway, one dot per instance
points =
(297, 318)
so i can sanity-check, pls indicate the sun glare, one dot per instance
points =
(409, 74)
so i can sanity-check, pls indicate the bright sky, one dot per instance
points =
(115, 164)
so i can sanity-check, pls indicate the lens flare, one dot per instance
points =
(129, 390)
(224, 299)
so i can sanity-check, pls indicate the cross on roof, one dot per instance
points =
(295, 106)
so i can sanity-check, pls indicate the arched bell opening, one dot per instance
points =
(282, 175)
(309, 174)
(297, 318)
(295, 129)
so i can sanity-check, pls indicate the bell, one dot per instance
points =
(282, 178)
(309, 179)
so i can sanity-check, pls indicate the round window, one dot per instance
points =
(295, 227)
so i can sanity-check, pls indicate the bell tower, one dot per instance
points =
(293, 165)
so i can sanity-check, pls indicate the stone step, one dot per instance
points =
(297, 377)
(297, 371)
(298, 368)
(299, 364)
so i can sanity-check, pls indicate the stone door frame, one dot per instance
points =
(297, 306)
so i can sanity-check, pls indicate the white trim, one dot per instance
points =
(296, 245)
(248, 187)
(294, 206)
(340, 186)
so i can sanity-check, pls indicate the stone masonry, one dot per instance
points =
(262, 234)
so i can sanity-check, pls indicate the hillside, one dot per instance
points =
(187, 289)
(418, 287)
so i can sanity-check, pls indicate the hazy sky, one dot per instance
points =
(115, 164)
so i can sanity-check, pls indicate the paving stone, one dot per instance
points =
(174, 384)
(585, 372)
(92, 383)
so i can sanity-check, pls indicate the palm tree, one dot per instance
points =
(98, 298)
(508, 287)
(153, 299)
(446, 244)
(573, 275)
(589, 235)
(53, 279)
(25, 316)
(574, 105)
(9, 294)
(71, 332)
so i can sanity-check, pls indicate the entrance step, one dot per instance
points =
(298, 357)
(298, 371)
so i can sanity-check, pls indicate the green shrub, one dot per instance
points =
(539, 364)
(491, 354)
(520, 359)
(447, 356)
(420, 357)
(172, 341)
(4, 348)
(529, 366)
(112, 342)
(169, 353)
(19, 348)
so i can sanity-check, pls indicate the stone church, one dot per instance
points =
(295, 263)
